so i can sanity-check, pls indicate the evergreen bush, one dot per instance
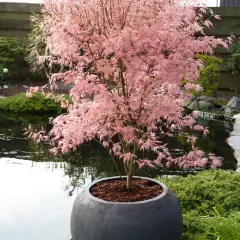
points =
(37, 104)
(208, 76)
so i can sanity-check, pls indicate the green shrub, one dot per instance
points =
(35, 105)
(208, 76)
(206, 190)
(11, 55)
(199, 194)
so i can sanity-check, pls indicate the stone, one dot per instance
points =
(193, 105)
(205, 106)
(237, 119)
(233, 107)
(237, 154)
(206, 99)
(236, 130)
(202, 103)
(236, 127)
(234, 142)
(234, 102)
(63, 86)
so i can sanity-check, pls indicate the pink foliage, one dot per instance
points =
(126, 60)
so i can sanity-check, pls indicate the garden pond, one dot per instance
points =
(37, 190)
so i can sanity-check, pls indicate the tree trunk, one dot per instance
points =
(129, 181)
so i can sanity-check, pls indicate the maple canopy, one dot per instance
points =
(127, 60)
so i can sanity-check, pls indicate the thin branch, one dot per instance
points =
(116, 166)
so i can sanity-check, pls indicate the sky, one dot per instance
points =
(211, 3)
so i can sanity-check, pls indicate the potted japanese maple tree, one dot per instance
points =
(127, 60)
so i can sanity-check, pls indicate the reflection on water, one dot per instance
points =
(93, 159)
(37, 190)
(33, 203)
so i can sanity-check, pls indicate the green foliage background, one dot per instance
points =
(233, 62)
(11, 55)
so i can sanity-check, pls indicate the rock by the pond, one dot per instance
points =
(193, 105)
(206, 99)
(233, 107)
(237, 118)
(234, 140)
(236, 130)
(63, 86)
(202, 103)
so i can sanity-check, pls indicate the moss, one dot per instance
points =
(34, 105)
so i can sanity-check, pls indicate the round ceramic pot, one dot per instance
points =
(158, 218)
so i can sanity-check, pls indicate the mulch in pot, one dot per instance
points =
(116, 191)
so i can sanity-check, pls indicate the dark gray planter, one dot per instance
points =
(156, 219)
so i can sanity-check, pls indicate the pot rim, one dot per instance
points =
(161, 195)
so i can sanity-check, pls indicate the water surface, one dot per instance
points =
(37, 190)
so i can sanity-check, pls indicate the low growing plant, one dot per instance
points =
(219, 227)
(211, 226)
(198, 196)
(206, 190)
(37, 104)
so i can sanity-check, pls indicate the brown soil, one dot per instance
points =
(116, 190)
